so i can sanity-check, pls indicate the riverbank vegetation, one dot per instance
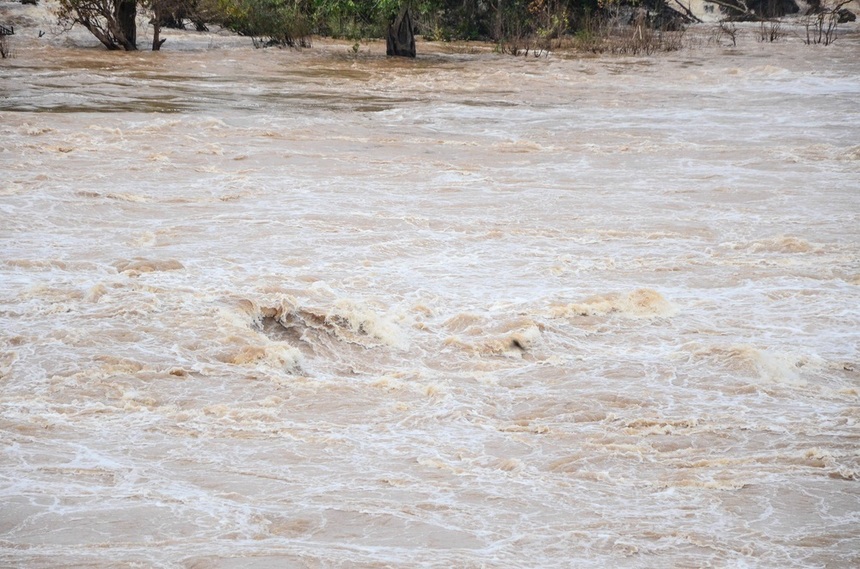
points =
(516, 27)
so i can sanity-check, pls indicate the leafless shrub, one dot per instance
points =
(729, 31)
(521, 37)
(461, 48)
(770, 31)
(821, 27)
(514, 46)
(515, 38)
(646, 39)
(523, 44)
(612, 34)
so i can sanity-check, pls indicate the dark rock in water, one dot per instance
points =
(846, 15)
(661, 16)
(774, 8)
(756, 10)
(401, 35)
(843, 15)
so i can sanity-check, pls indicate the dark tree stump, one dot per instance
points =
(126, 35)
(401, 35)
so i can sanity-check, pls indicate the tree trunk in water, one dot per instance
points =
(156, 32)
(126, 10)
(497, 26)
(401, 35)
(156, 27)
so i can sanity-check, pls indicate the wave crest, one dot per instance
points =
(641, 303)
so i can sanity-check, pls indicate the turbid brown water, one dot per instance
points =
(267, 308)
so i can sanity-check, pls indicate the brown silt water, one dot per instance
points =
(279, 308)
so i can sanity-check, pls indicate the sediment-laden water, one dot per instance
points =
(267, 308)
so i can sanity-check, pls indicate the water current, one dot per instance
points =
(274, 308)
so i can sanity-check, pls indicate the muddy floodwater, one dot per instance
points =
(288, 309)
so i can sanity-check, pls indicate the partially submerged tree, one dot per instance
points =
(174, 13)
(400, 40)
(5, 51)
(167, 12)
(112, 22)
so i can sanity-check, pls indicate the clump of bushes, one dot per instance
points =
(266, 22)
(516, 26)
(634, 32)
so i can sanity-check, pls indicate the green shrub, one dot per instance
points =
(266, 22)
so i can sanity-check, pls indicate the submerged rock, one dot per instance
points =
(845, 16)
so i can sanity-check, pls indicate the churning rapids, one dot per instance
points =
(271, 308)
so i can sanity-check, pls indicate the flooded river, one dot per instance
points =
(271, 308)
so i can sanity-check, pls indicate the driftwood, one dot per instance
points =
(401, 35)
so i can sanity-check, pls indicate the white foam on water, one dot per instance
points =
(471, 311)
